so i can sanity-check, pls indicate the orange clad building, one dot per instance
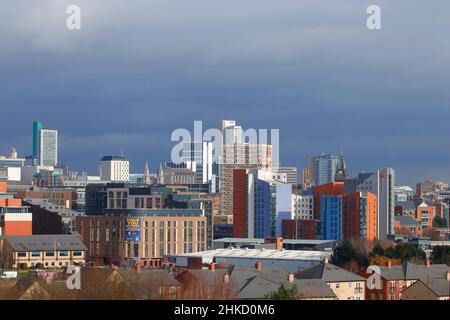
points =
(329, 189)
(15, 219)
(359, 211)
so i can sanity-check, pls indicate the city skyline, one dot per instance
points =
(136, 168)
(313, 71)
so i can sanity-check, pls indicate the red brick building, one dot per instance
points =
(395, 279)
(61, 197)
(240, 203)
(298, 229)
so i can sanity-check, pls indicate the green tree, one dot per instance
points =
(441, 254)
(404, 252)
(284, 293)
(378, 250)
(344, 253)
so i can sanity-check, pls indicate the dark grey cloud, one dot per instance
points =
(139, 69)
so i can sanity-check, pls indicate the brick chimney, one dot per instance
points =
(291, 277)
(389, 263)
(448, 275)
(212, 267)
(226, 277)
(258, 266)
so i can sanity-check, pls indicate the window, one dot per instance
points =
(77, 253)
(21, 254)
(49, 253)
(63, 253)
(35, 253)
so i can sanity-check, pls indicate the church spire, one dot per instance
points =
(146, 178)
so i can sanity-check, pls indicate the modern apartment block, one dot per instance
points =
(323, 168)
(303, 206)
(199, 155)
(114, 168)
(15, 218)
(47, 147)
(359, 216)
(147, 235)
(381, 183)
(259, 206)
(290, 172)
(329, 189)
(331, 217)
(236, 154)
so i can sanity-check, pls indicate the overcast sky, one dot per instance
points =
(137, 70)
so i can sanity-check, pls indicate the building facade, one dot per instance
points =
(359, 220)
(145, 237)
(380, 183)
(114, 168)
(48, 147)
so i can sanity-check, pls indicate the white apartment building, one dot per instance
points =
(114, 168)
(48, 147)
(303, 207)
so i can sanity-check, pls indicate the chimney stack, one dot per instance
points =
(325, 260)
(291, 277)
(427, 263)
(448, 275)
(389, 263)
(212, 267)
(258, 266)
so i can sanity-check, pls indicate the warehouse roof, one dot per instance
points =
(260, 254)
(45, 242)
(261, 241)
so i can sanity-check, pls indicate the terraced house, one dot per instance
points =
(46, 251)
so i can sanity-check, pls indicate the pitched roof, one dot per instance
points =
(45, 242)
(408, 205)
(251, 283)
(329, 273)
(439, 286)
(313, 288)
(411, 271)
(407, 221)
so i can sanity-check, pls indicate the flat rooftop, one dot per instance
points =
(261, 241)
(259, 254)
